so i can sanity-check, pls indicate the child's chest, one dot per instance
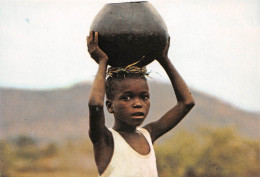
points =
(137, 142)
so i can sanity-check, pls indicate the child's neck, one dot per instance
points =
(124, 128)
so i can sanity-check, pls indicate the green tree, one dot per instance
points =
(26, 148)
(178, 154)
(211, 153)
(50, 151)
(227, 154)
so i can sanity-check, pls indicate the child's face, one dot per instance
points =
(131, 101)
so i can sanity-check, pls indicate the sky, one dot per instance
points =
(215, 45)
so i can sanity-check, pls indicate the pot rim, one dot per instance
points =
(127, 2)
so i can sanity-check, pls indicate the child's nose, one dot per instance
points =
(137, 103)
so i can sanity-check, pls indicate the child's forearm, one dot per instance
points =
(181, 89)
(184, 104)
(97, 128)
(97, 93)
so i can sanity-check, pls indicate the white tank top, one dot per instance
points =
(126, 162)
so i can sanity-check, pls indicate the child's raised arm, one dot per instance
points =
(97, 129)
(185, 100)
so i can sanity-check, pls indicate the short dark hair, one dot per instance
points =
(119, 74)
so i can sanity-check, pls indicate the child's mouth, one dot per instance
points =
(137, 115)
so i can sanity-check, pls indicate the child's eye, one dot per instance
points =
(126, 98)
(146, 97)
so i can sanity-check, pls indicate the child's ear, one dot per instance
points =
(109, 106)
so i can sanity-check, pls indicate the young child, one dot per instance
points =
(126, 150)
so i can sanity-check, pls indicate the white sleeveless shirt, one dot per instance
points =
(126, 162)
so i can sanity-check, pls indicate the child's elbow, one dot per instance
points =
(95, 104)
(189, 104)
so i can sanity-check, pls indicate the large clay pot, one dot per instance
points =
(130, 31)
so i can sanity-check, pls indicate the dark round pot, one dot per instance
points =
(129, 32)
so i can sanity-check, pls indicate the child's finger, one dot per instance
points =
(96, 38)
(90, 37)
(91, 33)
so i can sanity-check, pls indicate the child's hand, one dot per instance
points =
(164, 54)
(95, 52)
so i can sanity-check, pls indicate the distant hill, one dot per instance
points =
(63, 113)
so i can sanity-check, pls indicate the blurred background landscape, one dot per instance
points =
(45, 133)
